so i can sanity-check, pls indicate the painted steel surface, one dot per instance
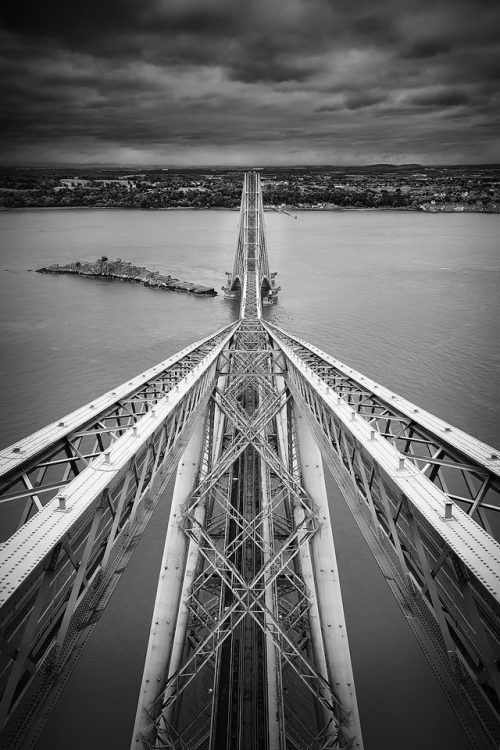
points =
(440, 553)
(34, 469)
(250, 647)
(250, 631)
(52, 566)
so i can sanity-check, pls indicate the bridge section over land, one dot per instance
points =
(248, 646)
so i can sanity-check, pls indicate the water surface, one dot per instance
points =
(409, 299)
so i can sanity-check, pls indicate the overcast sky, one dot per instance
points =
(188, 82)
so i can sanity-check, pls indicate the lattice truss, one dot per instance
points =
(79, 493)
(414, 484)
(248, 631)
(473, 484)
(35, 469)
(251, 249)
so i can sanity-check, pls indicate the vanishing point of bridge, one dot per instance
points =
(248, 646)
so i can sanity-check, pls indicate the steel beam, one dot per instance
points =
(260, 563)
(35, 468)
(173, 577)
(332, 632)
(412, 514)
(89, 524)
(467, 470)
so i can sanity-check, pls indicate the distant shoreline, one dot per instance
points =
(339, 209)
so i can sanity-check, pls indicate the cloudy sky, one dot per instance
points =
(188, 82)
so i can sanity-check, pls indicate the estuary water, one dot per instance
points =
(409, 299)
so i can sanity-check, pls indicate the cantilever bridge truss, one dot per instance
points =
(248, 645)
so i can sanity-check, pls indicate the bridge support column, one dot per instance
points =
(181, 623)
(326, 577)
(170, 584)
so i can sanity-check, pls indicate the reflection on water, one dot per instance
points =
(409, 299)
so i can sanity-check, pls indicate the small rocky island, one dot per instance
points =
(123, 270)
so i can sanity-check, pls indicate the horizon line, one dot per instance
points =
(246, 167)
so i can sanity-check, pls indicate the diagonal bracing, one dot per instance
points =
(244, 648)
(251, 625)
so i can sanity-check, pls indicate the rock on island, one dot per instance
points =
(123, 270)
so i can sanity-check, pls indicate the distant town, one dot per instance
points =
(384, 186)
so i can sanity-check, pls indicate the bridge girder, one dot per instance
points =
(36, 468)
(436, 558)
(59, 568)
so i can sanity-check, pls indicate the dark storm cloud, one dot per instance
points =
(307, 80)
(425, 48)
(87, 26)
(446, 97)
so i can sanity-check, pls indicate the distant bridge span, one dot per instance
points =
(251, 251)
(248, 646)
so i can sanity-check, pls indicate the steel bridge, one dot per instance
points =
(248, 645)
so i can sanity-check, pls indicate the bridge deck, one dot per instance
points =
(35, 468)
(414, 519)
(324, 364)
(63, 557)
(479, 551)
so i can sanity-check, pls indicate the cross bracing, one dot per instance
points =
(464, 469)
(59, 568)
(438, 560)
(248, 645)
(34, 469)
(253, 659)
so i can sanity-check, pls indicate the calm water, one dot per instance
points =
(409, 299)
